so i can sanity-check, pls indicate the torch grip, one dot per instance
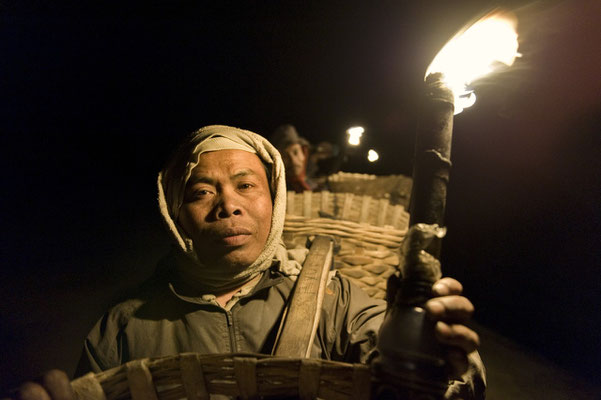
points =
(432, 163)
(410, 365)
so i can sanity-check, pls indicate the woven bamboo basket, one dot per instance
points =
(245, 376)
(368, 231)
(395, 188)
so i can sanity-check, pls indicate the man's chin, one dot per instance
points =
(232, 261)
(235, 264)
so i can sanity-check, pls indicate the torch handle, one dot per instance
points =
(432, 163)
(410, 365)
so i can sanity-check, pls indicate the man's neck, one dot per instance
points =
(223, 298)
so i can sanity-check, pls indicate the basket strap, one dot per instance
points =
(302, 315)
(87, 387)
(290, 202)
(382, 212)
(365, 208)
(308, 379)
(307, 200)
(361, 382)
(245, 370)
(193, 378)
(325, 200)
(140, 382)
(346, 207)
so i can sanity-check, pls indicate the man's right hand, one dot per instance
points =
(53, 385)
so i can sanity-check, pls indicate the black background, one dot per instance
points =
(93, 98)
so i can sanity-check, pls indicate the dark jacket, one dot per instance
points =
(162, 321)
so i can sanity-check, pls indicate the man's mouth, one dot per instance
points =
(233, 236)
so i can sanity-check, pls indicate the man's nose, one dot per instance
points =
(229, 204)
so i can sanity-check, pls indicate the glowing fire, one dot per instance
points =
(473, 53)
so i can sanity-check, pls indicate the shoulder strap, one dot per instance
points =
(301, 317)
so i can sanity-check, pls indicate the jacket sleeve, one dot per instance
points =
(350, 322)
(105, 344)
(87, 362)
(472, 384)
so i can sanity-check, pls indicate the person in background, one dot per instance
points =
(325, 159)
(295, 154)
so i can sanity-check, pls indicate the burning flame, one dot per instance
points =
(475, 52)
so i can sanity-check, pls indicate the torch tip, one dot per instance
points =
(437, 88)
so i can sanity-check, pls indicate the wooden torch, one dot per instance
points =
(409, 364)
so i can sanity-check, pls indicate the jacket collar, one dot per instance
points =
(269, 278)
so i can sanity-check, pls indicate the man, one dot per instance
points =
(224, 286)
(295, 154)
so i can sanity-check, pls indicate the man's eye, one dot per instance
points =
(200, 193)
(245, 185)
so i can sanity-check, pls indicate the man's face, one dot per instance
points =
(294, 159)
(227, 208)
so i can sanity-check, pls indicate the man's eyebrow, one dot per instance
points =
(194, 179)
(243, 173)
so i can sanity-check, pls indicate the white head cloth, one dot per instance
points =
(172, 184)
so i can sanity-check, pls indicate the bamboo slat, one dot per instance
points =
(347, 207)
(395, 188)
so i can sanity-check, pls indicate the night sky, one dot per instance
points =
(93, 99)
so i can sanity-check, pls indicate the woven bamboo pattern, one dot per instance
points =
(395, 188)
(351, 207)
(369, 233)
(242, 375)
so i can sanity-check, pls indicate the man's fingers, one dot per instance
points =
(32, 391)
(449, 308)
(457, 335)
(446, 286)
(58, 385)
(54, 385)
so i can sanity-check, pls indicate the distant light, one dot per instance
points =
(372, 155)
(354, 135)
